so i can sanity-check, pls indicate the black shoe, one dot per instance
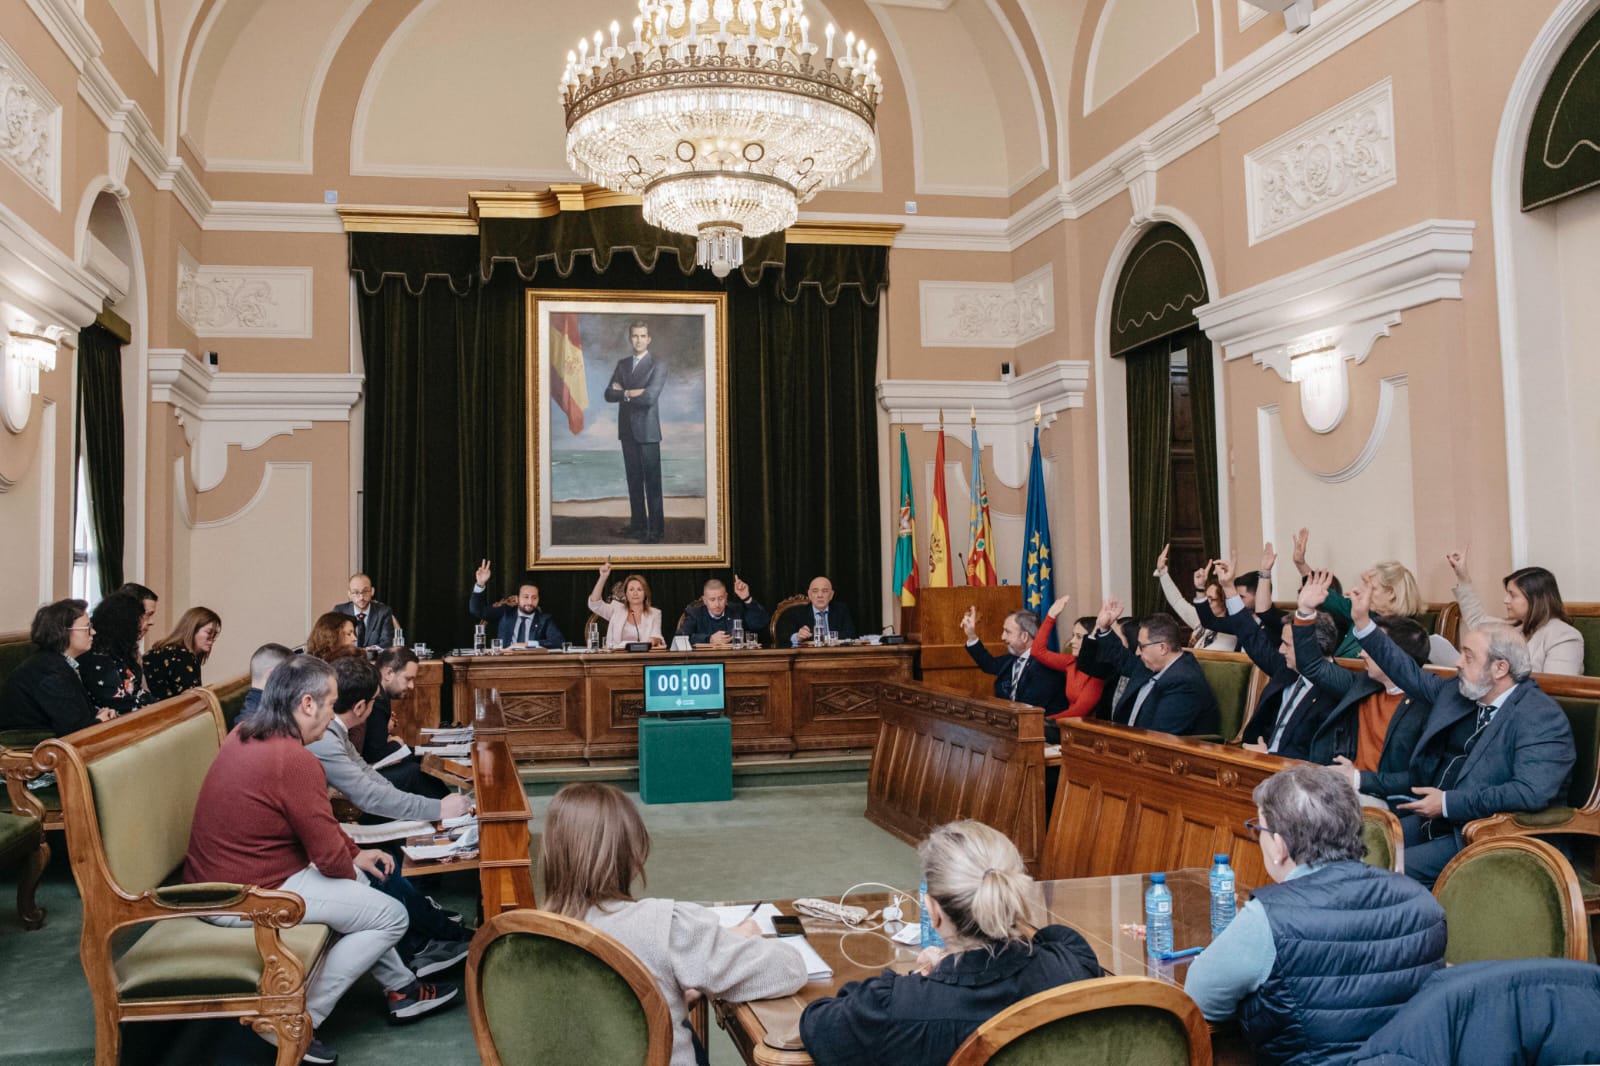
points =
(653, 538)
(320, 1053)
(421, 998)
(629, 531)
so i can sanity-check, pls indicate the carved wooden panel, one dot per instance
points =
(530, 709)
(1136, 801)
(942, 757)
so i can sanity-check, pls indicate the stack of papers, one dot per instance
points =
(449, 734)
(446, 751)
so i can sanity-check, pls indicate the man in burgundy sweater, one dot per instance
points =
(263, 818)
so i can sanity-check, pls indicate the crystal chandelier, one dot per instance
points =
(721, 117)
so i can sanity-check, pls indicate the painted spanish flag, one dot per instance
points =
(569, 389)
(939, 571)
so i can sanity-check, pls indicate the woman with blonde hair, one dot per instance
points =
(173, 665)
(978, 900)
(633, 619)
(332, 635)
(591, 853)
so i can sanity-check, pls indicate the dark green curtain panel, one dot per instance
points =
(1203, 410)
(446, 469)
(100, 428)
(1149, 474)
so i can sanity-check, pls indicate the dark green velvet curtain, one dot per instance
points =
(1149, 474)
(1203, 409)
(445, 464)
(100, 438)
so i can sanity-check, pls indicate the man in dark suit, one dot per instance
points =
(710, 622)
(375, 624)
(1493, 742)
(1017, 677)
(1291, 706)
(1167, 690)
(798, 623)
(522, 623)
(635, 388)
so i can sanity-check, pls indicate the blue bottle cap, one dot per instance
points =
(1158, 879)
(1223, 859)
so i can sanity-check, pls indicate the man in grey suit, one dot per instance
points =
(1493, 741)
(635, 388)
(375, 623)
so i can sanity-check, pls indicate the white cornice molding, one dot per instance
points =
(1004, 409)
(221, 409)
(1379, 279)
(38, 281)
(268, 217)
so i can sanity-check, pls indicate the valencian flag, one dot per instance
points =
(905, 544)
(980, 564)
(939, 573)
(569, 390)
(1038, 565)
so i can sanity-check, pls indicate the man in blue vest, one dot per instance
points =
(1318, 961)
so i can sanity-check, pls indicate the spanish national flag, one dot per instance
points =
(569, 389)
(939, 570)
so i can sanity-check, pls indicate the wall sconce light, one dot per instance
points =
(26, 355)
(1317, 365)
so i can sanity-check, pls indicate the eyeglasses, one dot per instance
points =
(1255, 828)
(85, 625)
(1151, 644)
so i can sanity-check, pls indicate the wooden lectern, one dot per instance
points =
(935, 623)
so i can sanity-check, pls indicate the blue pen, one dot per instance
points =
(1168, 956)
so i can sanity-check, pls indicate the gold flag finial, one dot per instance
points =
(1038, 412)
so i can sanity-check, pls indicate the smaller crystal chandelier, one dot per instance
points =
(720, 117)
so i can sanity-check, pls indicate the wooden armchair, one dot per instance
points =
(1511, 898)
(1136, 1021)
(779, 611)
(129, 789)
(528, 968)
(22, 844)
(16, 765)
(1380, 831)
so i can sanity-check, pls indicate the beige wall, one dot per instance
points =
(1439, 477)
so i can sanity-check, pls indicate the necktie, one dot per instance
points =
(1138, 701)
(1452, 771)
(1485, 716)
(1016, 675)
(361, 628)
(1291, 703)
(521, 635)
(822, 621)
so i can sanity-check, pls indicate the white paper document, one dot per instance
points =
(425, 852)
(729, 917)
(446, 751)
(393, 757)
(815, 967)
(1052, 750)
(450, 734)
(460, 820)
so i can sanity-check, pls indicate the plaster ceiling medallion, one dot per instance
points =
(721, 117)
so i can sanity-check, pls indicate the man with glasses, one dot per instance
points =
(1493, 741)
(1319, 960)
(374, 620)
(1167, 691)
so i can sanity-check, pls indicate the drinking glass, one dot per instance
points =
(497, 646)
(824, 637)
(738, 633)
(594, 636)
(477, 637)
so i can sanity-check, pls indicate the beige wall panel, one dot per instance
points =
(907, 358)
(138, 17)
(328, 348)
(1132, 37)
(27, 522)
(125, 58)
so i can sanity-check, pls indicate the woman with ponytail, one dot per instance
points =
(978, 901)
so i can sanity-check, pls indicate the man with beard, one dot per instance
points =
(1493, 741)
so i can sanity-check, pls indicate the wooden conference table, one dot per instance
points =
(767, 1032)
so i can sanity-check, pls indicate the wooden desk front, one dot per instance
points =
(1133, 801)
(767, 1032)
(587, 706)
(941, 756)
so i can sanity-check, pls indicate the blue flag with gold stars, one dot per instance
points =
(1038, 561)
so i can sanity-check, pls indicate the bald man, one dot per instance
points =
(799, 622)
(374, 621)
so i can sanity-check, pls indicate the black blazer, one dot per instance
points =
(1182, 703)
(546, 633)
(1037, 685)
(380, 624)
(639, 417)
(45, 694)
(1522, 761)
(792, 620)
(1263, 649)
(698, 625)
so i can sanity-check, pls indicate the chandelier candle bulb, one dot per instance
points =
(830, 41)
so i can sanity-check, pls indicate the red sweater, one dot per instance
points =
(263, 816)
(1083, 691)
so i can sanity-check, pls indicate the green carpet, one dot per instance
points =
(788, 836)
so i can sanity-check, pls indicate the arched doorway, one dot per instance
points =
(1163, 427)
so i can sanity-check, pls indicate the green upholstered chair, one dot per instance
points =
(1577, 820)
(1512, 898)
(544, 988)
(1138, 1021)
(1231, 676)
(1380, 830)
(16, 766)
(230, 694)
(14, 648)
(128, 790)
(1585, 618)
(22, 844)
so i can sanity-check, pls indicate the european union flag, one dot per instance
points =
(1038, 564)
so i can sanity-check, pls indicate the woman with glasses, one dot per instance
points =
(173, 665)
(1318, 961)
(44, 694)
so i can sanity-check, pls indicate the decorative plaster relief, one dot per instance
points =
(977, 314)
(30, 127)
(1341, 156)
(244, 301)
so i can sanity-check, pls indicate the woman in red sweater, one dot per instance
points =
(1083, 691)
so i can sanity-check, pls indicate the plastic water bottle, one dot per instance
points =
(1158, 917)
(1223, 901)
(930, 935)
